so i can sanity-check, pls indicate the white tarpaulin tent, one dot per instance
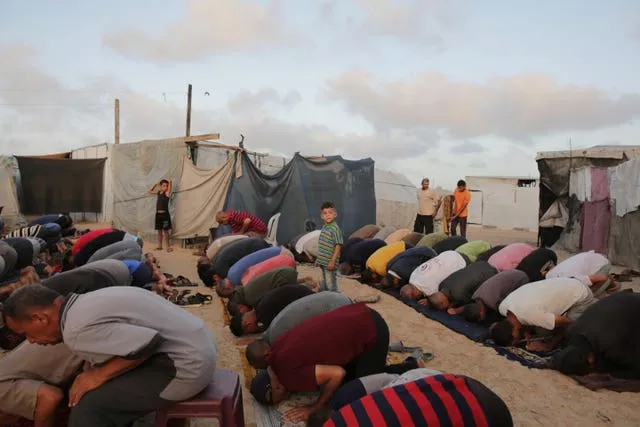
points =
(132, 168)
(8, 196)
(504, 202)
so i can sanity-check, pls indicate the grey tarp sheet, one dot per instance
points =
(51, 185)
(135, 168)
(301, 186)
(624, 240)
(201, 195)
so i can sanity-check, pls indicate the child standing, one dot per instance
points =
(163, 217)
(329, 246)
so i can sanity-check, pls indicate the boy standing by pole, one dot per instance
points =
(163, 217)
(329, 246)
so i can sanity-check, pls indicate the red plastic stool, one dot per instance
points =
(222, 399)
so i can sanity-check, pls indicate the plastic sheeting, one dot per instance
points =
(202, 194)
(61, 185)
(8, 195)
(596, 221)
(580, 183)
(599, 184)
(298, 190)
(624, 241)
(135, 168)
(625, 182)
(396, 202)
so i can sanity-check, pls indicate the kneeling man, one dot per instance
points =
(144, 351)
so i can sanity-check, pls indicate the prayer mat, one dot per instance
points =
(225, 314)
(273, 416)
(476, 332)
(607, 382)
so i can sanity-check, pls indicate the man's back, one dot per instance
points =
(121, 321)
(90, 277)
(303, 309)
(333, 338)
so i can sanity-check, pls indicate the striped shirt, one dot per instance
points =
(439, 400)
(330, 236)
(236, 219)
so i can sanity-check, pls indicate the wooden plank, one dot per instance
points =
(231, 147)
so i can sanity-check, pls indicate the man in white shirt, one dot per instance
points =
(550, 304)
(583, 265)
(428, 205)
(425, 280)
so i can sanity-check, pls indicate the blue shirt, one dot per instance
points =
(132, 265)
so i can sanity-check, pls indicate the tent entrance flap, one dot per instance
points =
(298, 190)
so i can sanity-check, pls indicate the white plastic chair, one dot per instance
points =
(272, 230)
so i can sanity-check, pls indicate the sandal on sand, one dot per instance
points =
(178, 296)
(196, 300)
(183, 281)
(419, 355)
(398, 347)
(169, 249)
(159, 248)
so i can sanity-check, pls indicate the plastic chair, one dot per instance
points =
(272, 230)
(222, 400)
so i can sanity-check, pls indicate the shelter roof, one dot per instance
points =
(595, 152)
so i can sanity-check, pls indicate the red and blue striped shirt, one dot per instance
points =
(439, 400)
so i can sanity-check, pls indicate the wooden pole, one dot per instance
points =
(116, 111)
(189, 111)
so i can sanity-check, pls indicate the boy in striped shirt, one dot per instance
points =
(329, 246)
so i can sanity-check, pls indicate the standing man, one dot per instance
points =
(428, 205)
(462, 198)
(163, 217)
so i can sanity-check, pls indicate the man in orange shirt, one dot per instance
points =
(462, 198)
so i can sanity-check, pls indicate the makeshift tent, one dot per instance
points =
(134, 169)
(396, 200)
(131, 168)
(298, 190)
(8, 195)
(200, 196)
(589, 201)
(101, 151)
(506, 202)
(53, 185)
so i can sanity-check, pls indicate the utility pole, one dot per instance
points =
(189, 111)
(116, 113)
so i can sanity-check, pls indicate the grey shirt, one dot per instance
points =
(126, 321)
(495, 289)
(303, 309)
(90, 277)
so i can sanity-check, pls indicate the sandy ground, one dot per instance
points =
(535, 397)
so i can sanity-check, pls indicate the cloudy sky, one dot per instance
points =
(438, 88)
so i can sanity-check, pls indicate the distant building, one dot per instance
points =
(503, 201)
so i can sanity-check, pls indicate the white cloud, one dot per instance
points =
(468, 147)
(521, 106)
(84, 115)
(208, 27)
(247, 102)
(478, 164)
(420, 22)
